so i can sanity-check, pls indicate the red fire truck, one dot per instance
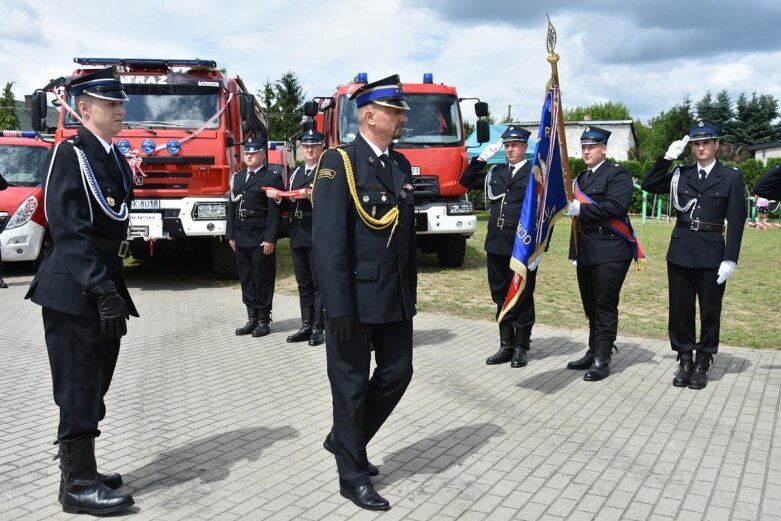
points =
(434, 143)
(185, 123)
(22, 221)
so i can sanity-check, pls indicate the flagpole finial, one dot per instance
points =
(552, 56)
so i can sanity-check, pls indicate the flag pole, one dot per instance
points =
(553, 59)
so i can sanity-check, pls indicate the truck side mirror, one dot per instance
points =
(309, 124)
(38, 111)
(247, 110)
(310, 109)
(483, 131)
(481, 109)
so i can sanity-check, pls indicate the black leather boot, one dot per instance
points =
(505, 353)
(318, 332)
(112, 480)
(699, 379)
(600, 368)
(521, 344)
(303, 334)
(82, 489)
(684, 374)
(584, 363)
(262, 329)
(252, 321)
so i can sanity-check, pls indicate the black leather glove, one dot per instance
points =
(111, 308)
(341, 327)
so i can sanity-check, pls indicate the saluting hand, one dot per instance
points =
(676, 148)
(490, 151)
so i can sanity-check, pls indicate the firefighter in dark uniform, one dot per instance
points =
(769, 185)
(364, 230)
(699, 259)
(601, 257)
(80, 285)
(505, 188)
(251, 230)
(300, 209)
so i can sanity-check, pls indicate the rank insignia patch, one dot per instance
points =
(325, 173)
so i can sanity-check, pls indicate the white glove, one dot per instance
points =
(725, 270)
(574, 208)
(536, 262)
(490, 151)
(574, 263)
(676, 148)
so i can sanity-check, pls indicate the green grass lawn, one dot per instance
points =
(751, 316)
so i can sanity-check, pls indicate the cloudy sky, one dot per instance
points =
(647, 55)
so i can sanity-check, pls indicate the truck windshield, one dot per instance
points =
(20, 165)
(433, 120)
(169, 106)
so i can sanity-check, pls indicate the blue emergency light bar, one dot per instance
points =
(362, 77)
(19, 133)
(107, 62)
(428, 77)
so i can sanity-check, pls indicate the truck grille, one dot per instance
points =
(425, 186)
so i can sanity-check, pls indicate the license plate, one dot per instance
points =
(145, 204)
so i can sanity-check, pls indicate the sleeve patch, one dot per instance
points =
(325, 173)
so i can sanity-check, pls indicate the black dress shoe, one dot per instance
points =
(365, 497)
(330, 445)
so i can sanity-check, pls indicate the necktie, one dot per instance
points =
(308, 172)
(589, 173)
(250, 173)
(512, 171)
(385, 169)
(703, 174)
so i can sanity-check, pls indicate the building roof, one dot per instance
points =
(25, 122)
(764, 146)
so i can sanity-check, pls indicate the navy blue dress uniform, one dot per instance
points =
(505, 189)
(602, 257)
(301, 251)
(769, 185)
(252, 219)
(81, 288)
(365, 254)
(697, 250)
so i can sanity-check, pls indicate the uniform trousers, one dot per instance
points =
(82, 363)
(500, 275)
(600, 288)
(257, 275)
(688, 285)
(362, 404)
(306, 278)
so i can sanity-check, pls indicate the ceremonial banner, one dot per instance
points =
(545, 200)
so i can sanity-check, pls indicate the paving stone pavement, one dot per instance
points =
(206, 425)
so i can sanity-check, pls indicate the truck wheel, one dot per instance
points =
(224, 261)
(451, 251)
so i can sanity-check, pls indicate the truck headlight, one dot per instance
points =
(460, 208)
(210, 211)
(23, 214)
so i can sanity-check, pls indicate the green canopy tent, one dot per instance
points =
(473, 149)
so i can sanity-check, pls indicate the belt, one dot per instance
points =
(503, 223)
(243, 213)
(699, 226)
(594, 228)
(109, 246)
(301, 214)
